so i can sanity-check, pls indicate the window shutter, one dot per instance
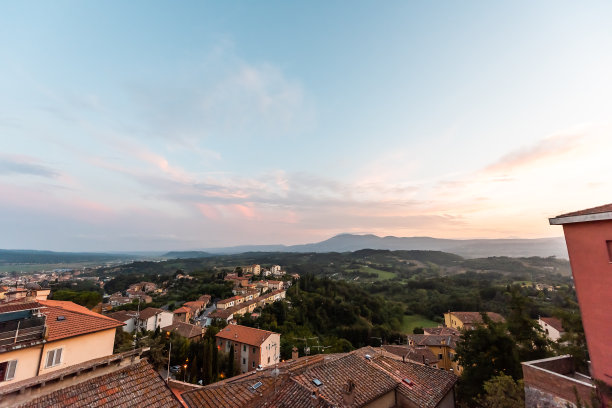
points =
(58, 356)
(10, 372)
(50, 355)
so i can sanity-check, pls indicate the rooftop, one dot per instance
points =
(66, 319)
(554, 322)
(476, 317)
(134, 385)
(244, 334)
(149, 312)
(326, 381)
(185, 329)
(603, 212)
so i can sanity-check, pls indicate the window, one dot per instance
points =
(609, 245)
(254, 350)
(439, 356)
(253, 364)
(243, 360)
(244, 348)
(7, 370)
(54, 358)
(268, 360)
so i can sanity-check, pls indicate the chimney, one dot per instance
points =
(294, 353)
(348, 393)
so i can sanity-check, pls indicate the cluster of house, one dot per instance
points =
(256, 270)
(436, 346)
(228, 309)
(141, 291)
(57, 275)
(28, 290)
(152, 319)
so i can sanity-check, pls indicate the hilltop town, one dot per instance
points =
(312, 333)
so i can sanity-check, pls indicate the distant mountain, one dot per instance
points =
(469, 248)
(186, 254)
(26, 256)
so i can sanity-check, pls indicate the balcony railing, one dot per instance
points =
(23, 330)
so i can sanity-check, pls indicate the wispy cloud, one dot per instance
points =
(224, 97)
(12, 165)
(549, 148)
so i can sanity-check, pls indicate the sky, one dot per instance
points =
(159, 125)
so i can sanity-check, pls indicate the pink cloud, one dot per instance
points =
(548, 148)
(246, 211)
(208, 211)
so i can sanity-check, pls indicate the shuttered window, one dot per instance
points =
(7, 370)
(54, 358)
(10, 371)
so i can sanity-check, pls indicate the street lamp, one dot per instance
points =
(184, 372)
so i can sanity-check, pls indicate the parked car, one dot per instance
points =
(175, 369)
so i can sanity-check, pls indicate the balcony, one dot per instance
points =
(22, 331)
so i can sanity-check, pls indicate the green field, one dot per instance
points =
(409, 322)
(382, 275)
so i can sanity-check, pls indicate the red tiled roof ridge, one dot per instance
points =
(245, 334)
(470, 317)
(554, 322)
(75, 323)
(70, 306)
(593, 210)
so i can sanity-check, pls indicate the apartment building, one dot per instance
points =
(252, 347)
(39, 337)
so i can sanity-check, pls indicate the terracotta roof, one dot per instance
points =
(444, 331)
(595, 210)
(135, 385)
(475, 317)
(233, 298)
(185, 329)
(64, 304)
(421, 355)
(149, 312)
(428, 386)
(244, 334)
(18, 306)
(194, 305)
(230, 395)
(554, 322)
(371, 382)
(182, 309)
(122, 315)
(434, 340)
(291, 385)
(73, 321)
(294, 395)
(222, 313)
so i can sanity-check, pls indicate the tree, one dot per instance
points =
(230, 363)
(531, 341)
(503, 392)
(485, 352)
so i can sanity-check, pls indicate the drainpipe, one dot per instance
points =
(42, 349)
